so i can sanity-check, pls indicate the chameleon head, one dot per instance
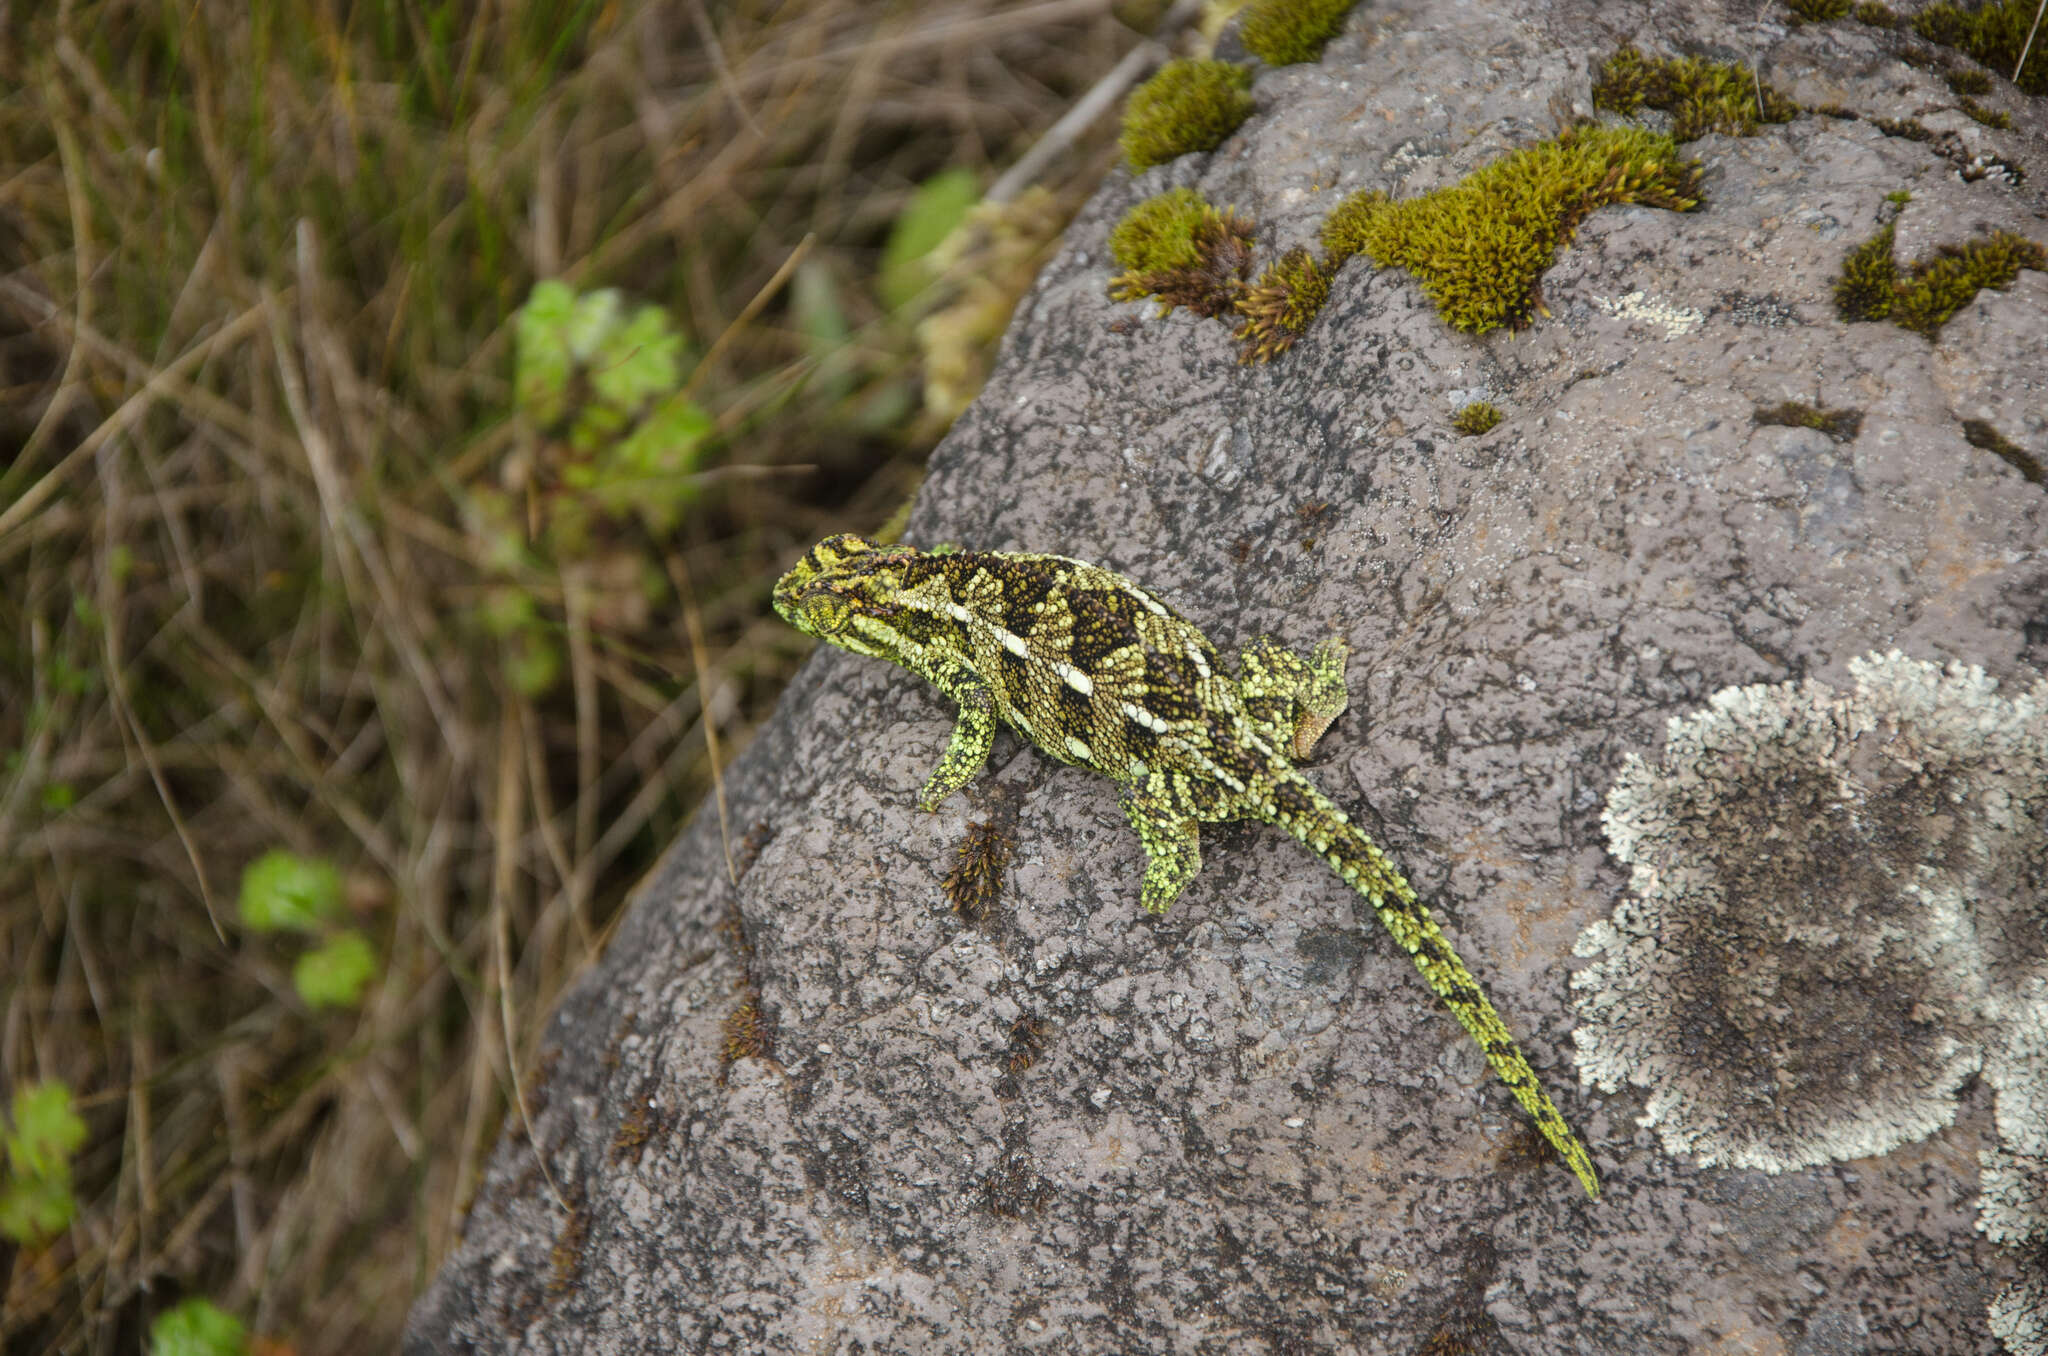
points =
(838, 580)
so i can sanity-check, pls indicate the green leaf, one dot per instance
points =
(35, 1199)
(197, 1327)
(938, 206)
(284, 890)
(637, 362)
(333, 975)
(47, 1131)
(648, 472)
(591, 321)
(34, 1208)
(543, 366)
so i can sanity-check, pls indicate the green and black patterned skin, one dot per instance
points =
(1095, 670)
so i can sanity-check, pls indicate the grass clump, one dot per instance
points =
(1479, 247)
(1840, 425)
(1978, 433)
(1819, 11)
(1993, 34)
(1922, 297)
(1177, 248)
(1876, 15)
(1701, 96)
(1278, 308)
(1481, 416)
(1186, 106)
(1285, 32)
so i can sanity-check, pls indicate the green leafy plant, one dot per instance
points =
(282, 890)
(333, 974)
(1818, 11)
(44, 1130)
(1186, 106)
(607, 382)
(1876, 15)
(197, 1327)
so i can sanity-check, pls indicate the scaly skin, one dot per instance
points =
(1095, 670)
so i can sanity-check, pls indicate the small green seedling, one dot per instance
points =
(43, 1131)
(197, 1327)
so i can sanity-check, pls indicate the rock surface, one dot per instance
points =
(1247, 1126)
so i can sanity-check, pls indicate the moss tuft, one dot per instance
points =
(1871, 286)
(1902, 127)
(1179, 249)
(1978, 433)
(1876, 15)
(1840, 425)
(1990, 117)
(1866, 288)
(1967, 80)
(1479, 247)
(1477, 418)
(1818, 11)
(1278, 308)
(1994, 34)
(1701, 96)
(1187, 106)
(1285, 32)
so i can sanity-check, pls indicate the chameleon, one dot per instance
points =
(1097, 671)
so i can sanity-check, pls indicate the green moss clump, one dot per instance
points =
(1701, 96)
(1865, 289)
(1477, 418)
(1990, 117)
(1186, 106)
(1993, 34)
(1479, 247)
(1924, 296)
(1179, 249)
(1876, 15)
(1841, 425)
(1977, 433)
(1285, 32)
(1967, 80)
(1818, 11)
(1278, 308)
(1902, 127)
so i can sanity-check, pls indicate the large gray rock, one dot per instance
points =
(1248, 1126)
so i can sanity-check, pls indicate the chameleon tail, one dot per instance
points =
(1310, 816)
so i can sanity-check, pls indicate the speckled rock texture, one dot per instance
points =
(1247, 1127)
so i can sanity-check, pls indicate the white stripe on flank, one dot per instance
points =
(1144, 718)
(1078, 749)
(1013, 642)
(1075, 679)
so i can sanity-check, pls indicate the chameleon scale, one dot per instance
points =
(1095, 670)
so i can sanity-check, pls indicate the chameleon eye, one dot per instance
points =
(824, 612)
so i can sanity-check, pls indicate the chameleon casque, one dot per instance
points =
(1095, 670)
